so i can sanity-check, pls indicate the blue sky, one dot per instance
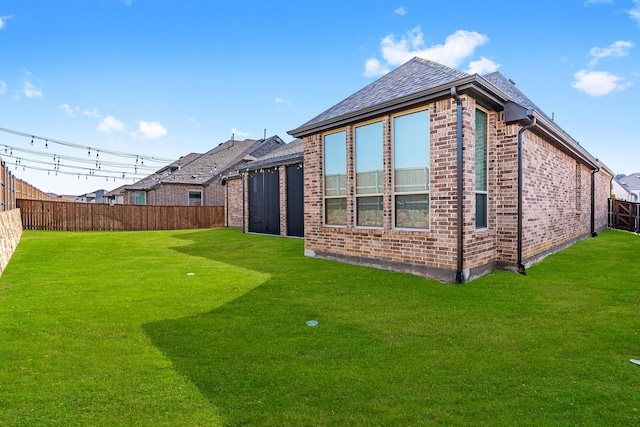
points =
(166, 77)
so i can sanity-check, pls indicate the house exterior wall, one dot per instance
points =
(233, 203)
(433, 250)
(178, 195)
(556, 201)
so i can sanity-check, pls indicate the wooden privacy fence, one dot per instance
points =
(69, 216)
(624, 215)
(12, 188)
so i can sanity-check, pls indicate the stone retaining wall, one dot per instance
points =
(10, 232)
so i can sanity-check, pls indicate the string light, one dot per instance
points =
(118, 165)
(89, 148)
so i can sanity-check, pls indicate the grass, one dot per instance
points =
(208, 328)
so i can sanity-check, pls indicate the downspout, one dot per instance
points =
(459, 193)
(593, 201)
(520, 265)
(244, 227)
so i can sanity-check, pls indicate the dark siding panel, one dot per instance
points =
(264, 202)
(295, 201)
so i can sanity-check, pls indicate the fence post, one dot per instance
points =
(2, 186)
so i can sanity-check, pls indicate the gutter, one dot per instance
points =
(460, 275)
(531, 124)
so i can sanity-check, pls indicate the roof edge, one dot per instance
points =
(473, 81)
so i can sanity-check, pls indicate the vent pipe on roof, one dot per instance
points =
(461, 275)
(532, 123)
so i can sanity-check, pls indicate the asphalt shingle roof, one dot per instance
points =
(199, 169)
(632, 182)
(414, 76)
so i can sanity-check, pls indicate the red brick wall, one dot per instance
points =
(233, 205)
(435, 247)
(550, 218)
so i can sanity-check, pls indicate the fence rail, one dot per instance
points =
(13, 188)
(70, 216)
(624, 215)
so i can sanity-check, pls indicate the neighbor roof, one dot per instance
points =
(632, 182)
(292, 152)
(200, 169)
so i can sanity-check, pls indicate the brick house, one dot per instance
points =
(437, 172)
(632, 184)
(273, 202)
(194, 179)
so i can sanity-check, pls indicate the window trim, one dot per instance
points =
(578, 178)
(379, 195)
(392, 190)
(486, 191)
(323, 180)
(189, 197)
(135, 198)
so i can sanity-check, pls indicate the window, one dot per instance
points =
(140, 198)
(481, 169)
(335, 178)
(368, 161)
(195, 197)
(411, 169)
(578, 189)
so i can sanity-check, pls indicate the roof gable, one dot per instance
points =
(414, 76)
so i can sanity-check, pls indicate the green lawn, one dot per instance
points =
(209, 327)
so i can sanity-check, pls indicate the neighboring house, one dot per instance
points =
(621, 191)
(194, 180)
(95, 197)
(273, 202)
(115, 196)
(437, 172)
(632, 184)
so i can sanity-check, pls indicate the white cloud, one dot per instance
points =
(635, 12)
(240, 133)
(482, 66)
(456, 48)
(127, 2)
(93, 113)
(30, 90)
(281, 101)
(110, 124)
(373, 68)
(617, 49)
(69, 110)
(3, 20)
(598, 83)
(3, 87)
(151, 130)
(400, 11)
(588, 2)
